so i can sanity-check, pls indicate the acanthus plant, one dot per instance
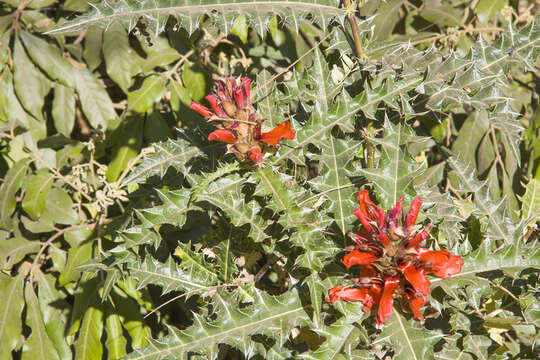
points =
(238, 123)
(200, 255)
(391, 260)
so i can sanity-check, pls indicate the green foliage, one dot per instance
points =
(126, 234)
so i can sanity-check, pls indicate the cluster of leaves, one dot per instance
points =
(162, 246)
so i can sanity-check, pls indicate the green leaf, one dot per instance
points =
(397, 169)
(60, 207)
(169, 276)
(156, 128)
(240, 28)
(194, 80)
(179, 94)
(159, 54)
(487, 9)
(121, 60)
(88, 344)
(38, 345)
(226, 194)
(126, 149)
(150, 92)
(92, 47)
(469, 136)
(155, 14)
(132, 320)
(343, 110)
(54, 311)
(486, 258)
(386, 18)
(48, 58)
(271, 316)
(175, 153)
(116, 342)
(530, 210)
(95, 102)
(13, 250)
(12, 183)
(334, 183)
(11, 308)
(63, 109)
(31, 85)
(436, 12)
(267, 99)
(500, 227)
(36, 193)
(76, 257)
(409, 339)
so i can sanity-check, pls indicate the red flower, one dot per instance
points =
(237, 122)
(222, 135)
(281, 131)
(390, 259)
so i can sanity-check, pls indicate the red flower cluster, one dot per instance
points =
(391, 260)
(237, 122)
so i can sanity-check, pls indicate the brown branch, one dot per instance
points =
(354, 28)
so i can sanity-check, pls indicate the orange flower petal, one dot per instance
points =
(356, 257)
(387, 300)
(281, 131)
(255, 154)
(212, 99)
(415, 303)
(363, 219)
(440, 263)
(201, 109)
(413, 211)
(418, 280)
(222, 135)
(348, 294)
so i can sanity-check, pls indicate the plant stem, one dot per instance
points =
(354, 27)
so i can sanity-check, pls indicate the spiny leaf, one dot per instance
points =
(175, 153)
(272, 316)
(173, 211)
(336, 156)
(396, 171)
(409, 339)
(531, 202)
(154, 14)
(170, 276)
(500, 227)
(226, 194)
(342, 113)
(510, 259)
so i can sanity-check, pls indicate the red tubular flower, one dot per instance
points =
(418, 280)
(201, 109)
(281, 131)
(413, 211)
(415, 303)
(222, 135)
(390, 261)
(348, 294)
(212, 99)
(358, 258)
(440, 263)
(237, 121)
(255, 155)
(387, 299)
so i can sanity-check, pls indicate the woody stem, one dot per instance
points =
(354, 27)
